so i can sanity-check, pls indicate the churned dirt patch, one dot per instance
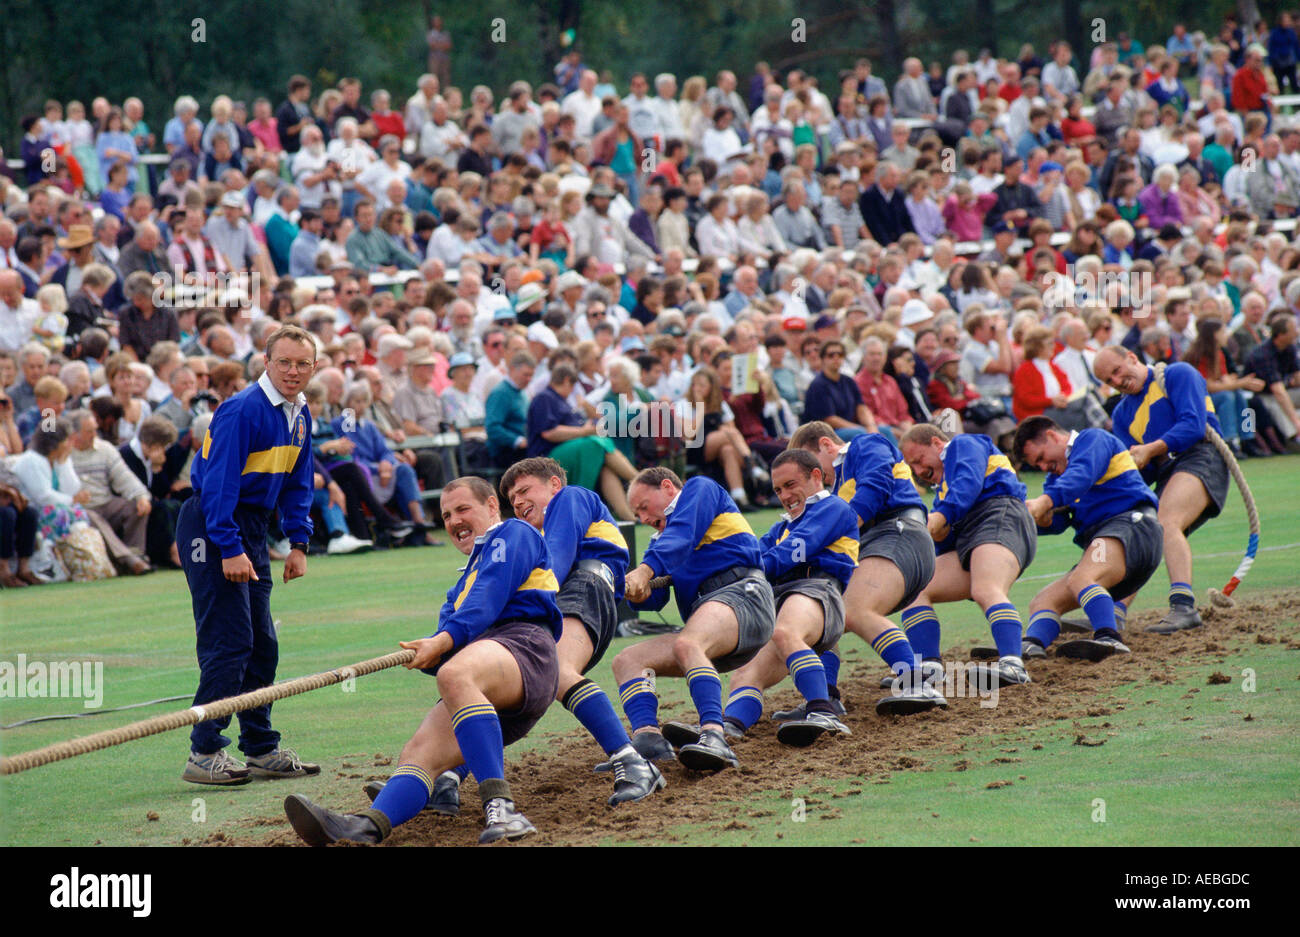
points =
(566, 801)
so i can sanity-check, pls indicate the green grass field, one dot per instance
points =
(1209, 779)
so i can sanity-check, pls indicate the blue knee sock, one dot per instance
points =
(1180, 593)
(922, 627)
(478, 732)
(405, 794)
(808, 674)
(1099, 607)
(706, 691)
(892, 645)
(640, 703)
(745, 706)
(1004, 622)
(592, 708)
(831, 664)
(1121, 615)
(1044, 627)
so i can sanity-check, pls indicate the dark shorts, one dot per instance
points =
(1203, 462)
(533, 647)
(751, 599)
(1144, 548)
(587, 597)
(1002, 520)
(906, 542)
(832, 600)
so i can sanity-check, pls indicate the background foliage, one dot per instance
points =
(72, 49)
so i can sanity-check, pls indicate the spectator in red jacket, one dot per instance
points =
(1039, 386)
(1249, 86)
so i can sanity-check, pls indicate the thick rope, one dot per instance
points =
(195, 714)
(1223, 598)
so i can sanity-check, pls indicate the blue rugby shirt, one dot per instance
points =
(974, 470)
(825, 535)
(578, 526)
(1100, 481)
(251, 456)
(1178, 418)
(508, 578)
(705, 534)
(871, 475)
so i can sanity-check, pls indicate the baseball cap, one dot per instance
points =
(825, 322)
(232, 199)
(794, 324)
(1004, 227)
(503, 313)
(632, 342)
(459, 360)
(1051, 166)
(420, 356)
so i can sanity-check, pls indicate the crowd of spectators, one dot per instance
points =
(681, 274)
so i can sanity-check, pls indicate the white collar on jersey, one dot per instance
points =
(811, 499)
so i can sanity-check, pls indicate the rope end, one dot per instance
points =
(1220, 599)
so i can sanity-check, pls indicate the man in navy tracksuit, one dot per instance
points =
(256, 457)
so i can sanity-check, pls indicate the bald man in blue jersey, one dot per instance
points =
(1164, 430)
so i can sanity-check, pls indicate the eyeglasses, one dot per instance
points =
(599, 314)
(833, 354)
(288, 364)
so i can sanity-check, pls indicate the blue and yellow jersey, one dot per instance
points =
(508, 578)
(578, 526)
(825, 535)
(251, 455)
(705, 534)
(1100, 481)
(974, 470)
(871, 475)
(1177, 417)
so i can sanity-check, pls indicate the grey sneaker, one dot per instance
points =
(218, 768)
(801, 733)
(503, 821)
(1178, 618)
(1030, 650)
(280, 763)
